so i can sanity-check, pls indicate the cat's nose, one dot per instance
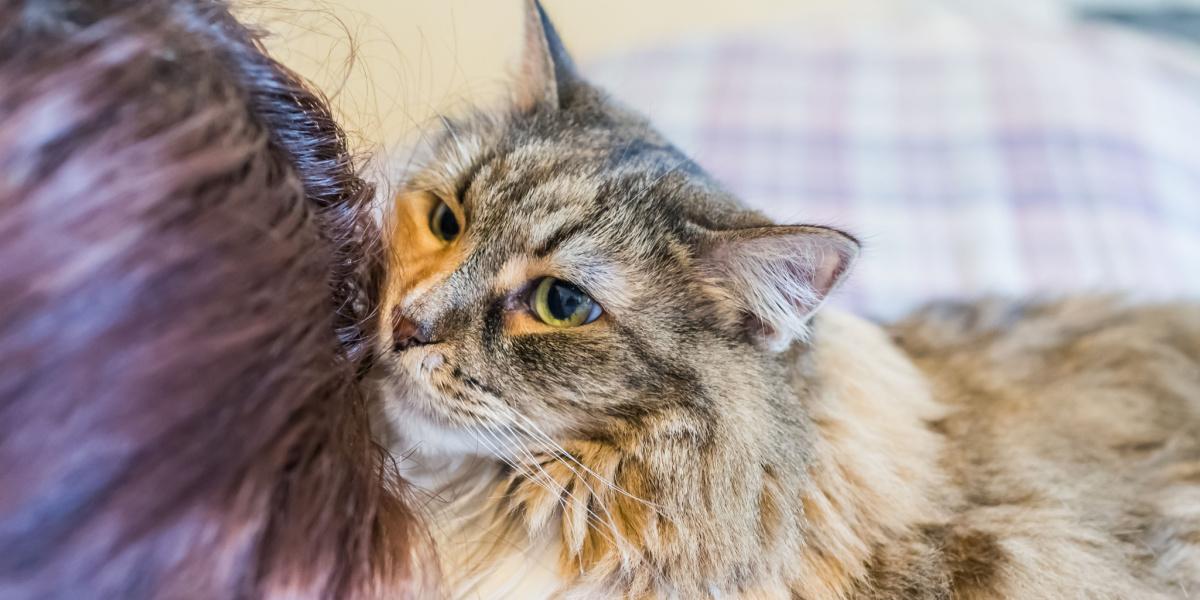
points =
(407, 333)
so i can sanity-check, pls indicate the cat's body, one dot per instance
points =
(1036, 451)
(1072, 446)
(611, 375)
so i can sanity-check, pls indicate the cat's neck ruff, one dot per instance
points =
(482, 555)
(876, 471)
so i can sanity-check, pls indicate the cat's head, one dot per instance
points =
(561, 268)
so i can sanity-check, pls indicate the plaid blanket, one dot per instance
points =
(971, 160)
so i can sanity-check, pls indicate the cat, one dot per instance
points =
(618, 382)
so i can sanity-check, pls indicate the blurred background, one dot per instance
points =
(978, 146)
(415, 58)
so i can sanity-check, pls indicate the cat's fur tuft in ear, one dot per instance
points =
(778, 276)
(547, 72)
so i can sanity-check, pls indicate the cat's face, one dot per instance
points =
(562, 270)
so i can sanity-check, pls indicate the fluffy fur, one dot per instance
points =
(709, 436)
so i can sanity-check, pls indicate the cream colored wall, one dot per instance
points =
(418, 57)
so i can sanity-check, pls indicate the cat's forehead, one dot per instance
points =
(574, 167)
(537, 184)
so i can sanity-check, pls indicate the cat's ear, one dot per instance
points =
(778, 276)
(547, 72)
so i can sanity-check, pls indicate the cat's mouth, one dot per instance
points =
(411, 367)
(404, 376)
(424, 410)
(420, 380)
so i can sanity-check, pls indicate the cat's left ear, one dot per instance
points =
(777, 276)
(548, 74)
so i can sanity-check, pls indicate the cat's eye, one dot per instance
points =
(443, 223)
(561, 304)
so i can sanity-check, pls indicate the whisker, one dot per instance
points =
(591, 514)
(558, 450)
(547, 483)
(549, 445)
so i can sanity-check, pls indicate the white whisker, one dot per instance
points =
(540, 435)
(592, 516)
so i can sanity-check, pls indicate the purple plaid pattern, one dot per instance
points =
(970, 160)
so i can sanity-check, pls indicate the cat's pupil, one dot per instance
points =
(445, 224)
(564, 300)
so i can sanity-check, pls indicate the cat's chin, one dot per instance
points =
(404, 417)
(407, 429)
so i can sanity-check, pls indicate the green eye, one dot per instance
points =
(560, 304)
(443, 223)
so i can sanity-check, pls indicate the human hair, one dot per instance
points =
(188, 266)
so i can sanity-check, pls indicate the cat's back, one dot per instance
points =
(1073, 439)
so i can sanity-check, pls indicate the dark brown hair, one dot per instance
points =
(187, 270)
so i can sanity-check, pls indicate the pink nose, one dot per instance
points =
(407, 333)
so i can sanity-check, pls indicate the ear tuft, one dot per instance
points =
(779, 276)
(547, 71)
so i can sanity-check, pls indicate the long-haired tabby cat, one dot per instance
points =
(616, 381)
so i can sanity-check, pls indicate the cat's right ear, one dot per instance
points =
(777, 276)
(547, 74)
